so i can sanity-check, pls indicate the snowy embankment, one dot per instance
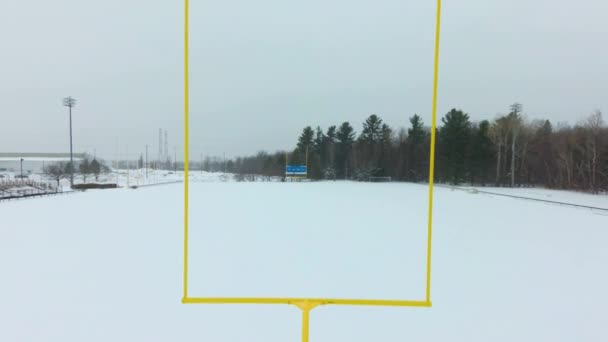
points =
(107, 265)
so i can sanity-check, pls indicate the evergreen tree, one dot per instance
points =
(345, 139)
(454, 135)
(346, 135)
(84, 168)
(481, 153)
(542, 157)
(95, 168)
(306, 139)
(331, 134)
(386, 134)
(319, 140)
(317, 159)
(385, 146)
(372, 130)
(330, 153)
(417, 150)
(416, 134)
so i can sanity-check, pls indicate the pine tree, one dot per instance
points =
(481, 153)
(319, 140)
(331, 134)
(416, 150)
(372, 130)
(346, 135)
(346, 138)
(85, 168)
(95, 168)
(454, 135)
(542, 158)
(416, 134)
(330, 153)
(385, 146)
(317, 157)
(306, 139)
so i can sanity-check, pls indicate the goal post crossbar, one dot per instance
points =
(294, 301)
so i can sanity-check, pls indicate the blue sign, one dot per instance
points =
(295, 170)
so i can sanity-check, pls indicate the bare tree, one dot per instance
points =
(57, 171)
(593, 126)
(95, 168)
(515, 124)
(499, 135)
(526, 134)
(565, 142)
(85, 168)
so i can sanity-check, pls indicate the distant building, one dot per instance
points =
(32, 162)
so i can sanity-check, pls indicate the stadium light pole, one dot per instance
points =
(70, 102)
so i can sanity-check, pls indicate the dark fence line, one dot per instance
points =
(6, 185)
(87, 186)
(26, 196)
(524, 198)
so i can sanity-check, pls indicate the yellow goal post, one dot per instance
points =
(307, 304)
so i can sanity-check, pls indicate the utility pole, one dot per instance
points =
(160, 147)
(22, 168)
(146, 161)
(70, 103)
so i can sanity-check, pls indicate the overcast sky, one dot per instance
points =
(262, 70)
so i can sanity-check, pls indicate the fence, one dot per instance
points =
(22, 188)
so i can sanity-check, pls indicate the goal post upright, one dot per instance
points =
(186, 140)
(432, 152)
(308, 304)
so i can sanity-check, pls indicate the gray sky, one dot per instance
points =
(262, 70)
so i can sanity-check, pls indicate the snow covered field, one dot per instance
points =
(107, 265)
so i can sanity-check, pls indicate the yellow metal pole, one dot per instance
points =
(432, 156)
(186, 143)
(306, 305)
(296, 301)
(305, 324)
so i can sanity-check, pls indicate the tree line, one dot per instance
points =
(86, 167)
(507, 151)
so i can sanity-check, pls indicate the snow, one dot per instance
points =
(107, 265)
